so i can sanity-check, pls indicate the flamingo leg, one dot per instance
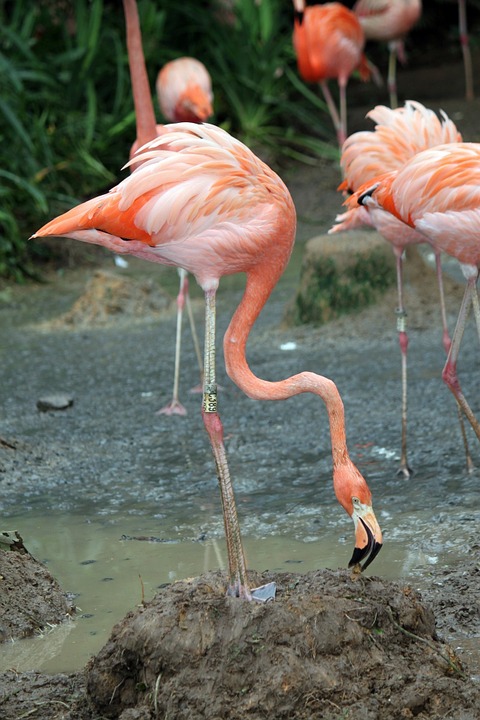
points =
(175, 407)
(342, 133)
(446, 344)
(392, 75)
(403, 468)
(467, 57)
(238, 582)
(476, 310)
(446, 335)
(449, 374)
(196, 343)
(332, 108)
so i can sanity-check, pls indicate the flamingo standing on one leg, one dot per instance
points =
(437, 192)
(389, 21)
(184, 91)
(328, 41)
(464, 42)
(203, 201)
(398, 135)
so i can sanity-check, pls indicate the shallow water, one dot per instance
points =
(110, 468)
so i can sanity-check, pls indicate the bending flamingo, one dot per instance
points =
(389, 21)
(328, 41)
(398, 135)
(203, 201)
(184, 92)
(438, 193)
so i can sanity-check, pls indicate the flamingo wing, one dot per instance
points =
(189, 204)
(399, 134)
(438, 193)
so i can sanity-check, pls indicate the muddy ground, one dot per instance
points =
(331, 646)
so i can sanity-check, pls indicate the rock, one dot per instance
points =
(54, 401)
(334, 280)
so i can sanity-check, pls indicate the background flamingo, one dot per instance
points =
(184, 92)
(389, 21)
(203, 201)
(438, 193)
(328, 41)
(398, 135)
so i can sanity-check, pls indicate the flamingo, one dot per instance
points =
(328, 41)
(437, 192)
(398, 135)
(203, 201)
(464, 42)
(184, 91)
(389, 21)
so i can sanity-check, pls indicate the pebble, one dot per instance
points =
(54, 401)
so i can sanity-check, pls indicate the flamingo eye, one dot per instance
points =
(356, 502)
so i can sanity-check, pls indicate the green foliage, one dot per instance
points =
(66, 116)
(328, 291)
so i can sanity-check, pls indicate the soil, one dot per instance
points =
(31, 599)
(333, 645)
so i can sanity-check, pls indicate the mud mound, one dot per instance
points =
(329, 647)
(30, 598)
(112, 298)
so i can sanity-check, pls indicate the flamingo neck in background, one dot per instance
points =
(142, 98)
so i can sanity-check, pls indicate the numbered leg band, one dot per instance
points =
(210, 399)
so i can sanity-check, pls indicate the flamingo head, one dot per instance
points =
(354, 496)
(194, 105)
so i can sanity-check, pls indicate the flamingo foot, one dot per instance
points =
(263, 593)
(175, 407)
(404, 470)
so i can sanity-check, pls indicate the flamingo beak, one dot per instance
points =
(368, 536)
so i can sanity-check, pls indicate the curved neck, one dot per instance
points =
(142, 98)
(257, 292)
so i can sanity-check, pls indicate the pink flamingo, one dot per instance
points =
(203, 201)
(184, 91)
(437, 192)
(328, 41)
(398, 135)
(389, 21)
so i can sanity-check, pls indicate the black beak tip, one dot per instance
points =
(367, 553)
